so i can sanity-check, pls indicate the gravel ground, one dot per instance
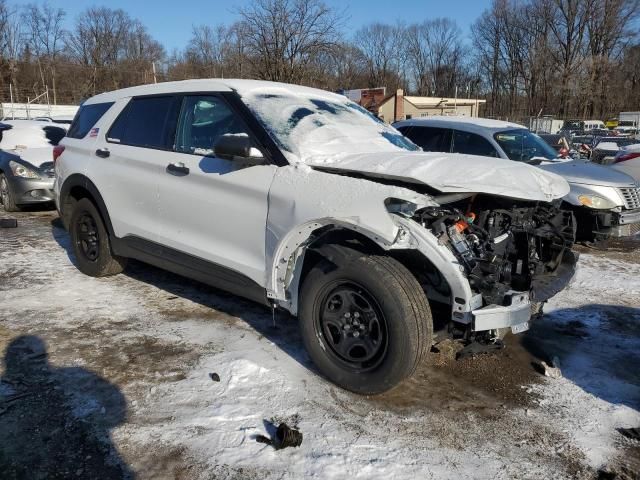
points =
(110, 378)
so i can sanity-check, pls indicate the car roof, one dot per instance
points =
(467, 124)
(242, 86)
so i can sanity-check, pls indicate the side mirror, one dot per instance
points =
(237, 147)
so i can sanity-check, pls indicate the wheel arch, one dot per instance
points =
(76, 187)
(299, 252)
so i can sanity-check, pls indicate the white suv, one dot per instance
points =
(300, 199)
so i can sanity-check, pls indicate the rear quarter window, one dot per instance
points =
(86, 118)
(148, 122)
(431, 139)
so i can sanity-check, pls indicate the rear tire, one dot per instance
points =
(6, 197)
(90, 242)
(365, 320)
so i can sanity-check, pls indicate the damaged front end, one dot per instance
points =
(513, 253)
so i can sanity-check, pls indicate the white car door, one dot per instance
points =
(129, 161)
(211, 208)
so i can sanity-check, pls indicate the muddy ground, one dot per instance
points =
(110, 378)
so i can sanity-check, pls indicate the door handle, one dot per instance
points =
(103, 152)
(178, 168)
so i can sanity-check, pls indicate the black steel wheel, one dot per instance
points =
(91, 243)
(88, 240)
(352, 325)
(364, 319)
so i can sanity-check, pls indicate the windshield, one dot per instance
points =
(317, 127)
(522, 145)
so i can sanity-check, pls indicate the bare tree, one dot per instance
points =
(609, 32)
(283, 37)
(435, 54)
(45, 33)
(381, 45)
(116, 48)
(208, 49)
(11, 43)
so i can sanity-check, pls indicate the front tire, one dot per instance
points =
(365, 320)
(90, 242)
(6, 197)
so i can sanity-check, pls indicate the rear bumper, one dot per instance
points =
(28, 191)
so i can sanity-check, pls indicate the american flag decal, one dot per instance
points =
(94, 132)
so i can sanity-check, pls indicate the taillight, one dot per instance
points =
(621, 157)
(57, 151)
(564, 152)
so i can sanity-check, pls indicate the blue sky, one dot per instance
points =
(170, 21)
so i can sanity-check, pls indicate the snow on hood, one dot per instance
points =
(329, 131)
(36, 156)
(24, 134)
(453, 173)
(306, 122)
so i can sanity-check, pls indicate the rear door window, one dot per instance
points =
(86, 118)
(148, 122)
(472, 144)
(431, 139)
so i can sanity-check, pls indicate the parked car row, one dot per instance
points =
(301, 200)
(606, 202)
(26, 166)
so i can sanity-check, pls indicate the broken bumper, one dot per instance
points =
(617, 225)
(493, 317)
(518, 313)
(628, 224)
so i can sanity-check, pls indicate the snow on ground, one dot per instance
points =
(156, 337)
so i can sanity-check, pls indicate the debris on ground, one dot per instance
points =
(287, 437)
(214, 376)
(551, 369)
(447, 349)
(8, 223)
(284, 437)
(478, 348)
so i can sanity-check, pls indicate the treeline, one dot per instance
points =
(572, 58)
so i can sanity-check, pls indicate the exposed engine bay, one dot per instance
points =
(506, 245)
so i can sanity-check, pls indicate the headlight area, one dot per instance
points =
(596, 202)
(20, 170)
(505, 245)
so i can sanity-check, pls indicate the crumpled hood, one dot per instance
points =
(589, 173)
(452, 173)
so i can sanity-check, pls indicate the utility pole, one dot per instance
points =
(455, 101)
(13, 114)
(153, 68)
